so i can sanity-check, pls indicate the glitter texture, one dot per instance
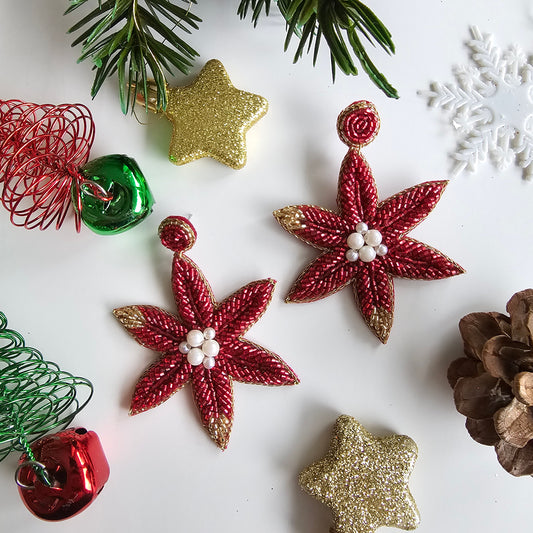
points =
(364, 479)
(238, 358)
(210, 118)
(357, 202)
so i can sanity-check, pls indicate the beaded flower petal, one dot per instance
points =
(204, 343)
(364, 243)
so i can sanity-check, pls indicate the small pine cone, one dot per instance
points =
(493, 384)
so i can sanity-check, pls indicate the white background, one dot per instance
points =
(58, 287)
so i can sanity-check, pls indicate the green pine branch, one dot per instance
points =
(337, 21)
(136, 39)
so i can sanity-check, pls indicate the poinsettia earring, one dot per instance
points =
(204, 343)
(364, 242)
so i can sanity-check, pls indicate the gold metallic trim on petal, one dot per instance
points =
(291, 218)
(219, 430)
(130, 317)
(381, 323)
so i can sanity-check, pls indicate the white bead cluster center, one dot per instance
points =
(364, 244)
(200, 347)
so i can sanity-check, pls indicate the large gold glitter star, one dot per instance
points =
(210, 118)
(364, 479)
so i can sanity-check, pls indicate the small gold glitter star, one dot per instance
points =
(210, 118)
(364, 479)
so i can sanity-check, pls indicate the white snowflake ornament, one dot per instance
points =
(491, 106)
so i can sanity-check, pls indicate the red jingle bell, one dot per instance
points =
(74, 464)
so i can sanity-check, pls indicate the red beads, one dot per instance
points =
(358, 124)
(177, 234)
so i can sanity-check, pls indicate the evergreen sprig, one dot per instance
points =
(137, 39)
(128, 37)
(310, 20)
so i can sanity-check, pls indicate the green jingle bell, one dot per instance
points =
(129, 199)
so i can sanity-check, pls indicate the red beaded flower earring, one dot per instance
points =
(364, 242)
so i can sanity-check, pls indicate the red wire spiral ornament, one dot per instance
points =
(42, 148)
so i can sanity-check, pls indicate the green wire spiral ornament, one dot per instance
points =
(36, 397)
(59, 474)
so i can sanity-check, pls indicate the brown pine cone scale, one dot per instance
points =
(493, 384)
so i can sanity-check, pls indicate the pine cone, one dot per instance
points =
(493, 384)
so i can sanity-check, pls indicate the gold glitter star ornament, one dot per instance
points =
(210, 117)
(364, 479)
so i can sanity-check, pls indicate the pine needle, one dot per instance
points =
(340, 23)
(128, 37)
